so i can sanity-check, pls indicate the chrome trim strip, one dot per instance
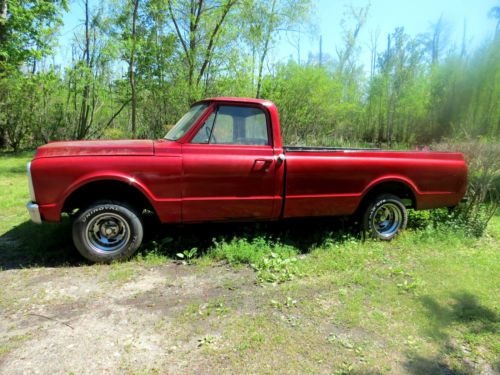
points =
(30, 183)
(34, 212)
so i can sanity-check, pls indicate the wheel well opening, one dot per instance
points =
(106, 190)
(399, 189)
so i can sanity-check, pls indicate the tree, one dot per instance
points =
(90, 94)
(131, 65)
(156, 70)
(26, 30)
(396, 94)
(436, 40)
(198, 25)
(16, 108)
(346, 55)
(128, 22)
(136, 67)
(86, 116)
(263, 21)
(495, 13)
(310, 102)
(347, 69)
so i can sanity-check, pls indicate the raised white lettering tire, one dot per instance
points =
(107, 231)
(385, 217)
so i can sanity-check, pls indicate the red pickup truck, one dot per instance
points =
(224, 161)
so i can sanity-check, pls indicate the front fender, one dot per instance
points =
(106, 176)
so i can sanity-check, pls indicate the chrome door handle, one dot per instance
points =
(264, 160)
(263, 164)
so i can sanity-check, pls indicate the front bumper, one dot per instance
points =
(34, 212)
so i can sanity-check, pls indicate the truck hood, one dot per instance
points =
(96, 148)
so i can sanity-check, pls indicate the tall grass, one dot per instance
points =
(483, 160)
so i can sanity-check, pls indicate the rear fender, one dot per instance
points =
(390, 179)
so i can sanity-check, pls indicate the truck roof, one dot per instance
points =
(236, 100)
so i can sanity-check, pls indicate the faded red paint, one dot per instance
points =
(187, 182)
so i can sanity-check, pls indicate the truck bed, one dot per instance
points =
(326, 181)
(374, 152)
(325, 149)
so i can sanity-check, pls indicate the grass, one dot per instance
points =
(13, 188)
(12, 343)
(120, 273)
(327, 302)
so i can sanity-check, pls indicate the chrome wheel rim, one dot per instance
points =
(387, 220)
(107, 233)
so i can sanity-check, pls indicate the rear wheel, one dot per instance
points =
(385, 217)
(107, 231)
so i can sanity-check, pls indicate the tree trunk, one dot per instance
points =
(3, 21)
(261, 66)
(84, 113)
(270, 29)
(213, 37)
(3, 10)
(131, 66)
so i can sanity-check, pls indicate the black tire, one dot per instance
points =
(385, 217)
(107, 231)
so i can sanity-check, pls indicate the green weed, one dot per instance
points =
(244, 251)
(275, 268)
(217, 308)
(288, 303)
(151, 258)
(187, 256)
(120, 273)
(206, 340)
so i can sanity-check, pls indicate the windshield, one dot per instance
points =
(185, 123)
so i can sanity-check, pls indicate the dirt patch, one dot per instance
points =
(170, 295)
(78, 321)
(174, 319)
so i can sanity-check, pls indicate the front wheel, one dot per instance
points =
(385, 217)
(107, 231)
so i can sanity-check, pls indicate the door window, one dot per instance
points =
(234, 125)
(205, 131)
(186, 122)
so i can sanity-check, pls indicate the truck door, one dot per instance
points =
(229, 167)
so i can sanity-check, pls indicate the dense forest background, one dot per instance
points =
(138, 64)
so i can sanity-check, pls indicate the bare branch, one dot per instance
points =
(215, 31)
(178, 31)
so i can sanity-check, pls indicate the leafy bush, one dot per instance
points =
(273, 261)
(115, 133)
(275, 268)
(482, 195)
(187, 256)
(244, 251)
(419, 219)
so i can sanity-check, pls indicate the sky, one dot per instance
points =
(384, 16)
